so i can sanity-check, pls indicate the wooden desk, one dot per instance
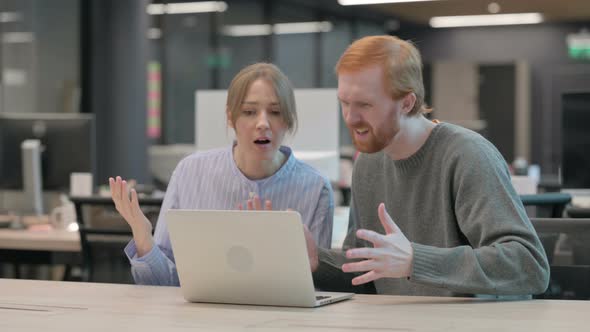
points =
(28, 305)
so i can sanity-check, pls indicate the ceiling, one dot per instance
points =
(552, 10)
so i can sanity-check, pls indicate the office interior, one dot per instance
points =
(110, 87)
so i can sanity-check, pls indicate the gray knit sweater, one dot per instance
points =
(454, 201)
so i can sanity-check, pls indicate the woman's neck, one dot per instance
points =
(256, 169)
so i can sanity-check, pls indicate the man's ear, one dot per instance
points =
(408, 102)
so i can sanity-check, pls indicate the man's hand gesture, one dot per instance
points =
(391, 256)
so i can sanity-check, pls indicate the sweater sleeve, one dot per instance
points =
(504, 255)
(329, 275)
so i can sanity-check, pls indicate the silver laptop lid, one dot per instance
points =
(241, 257)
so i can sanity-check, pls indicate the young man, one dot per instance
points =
(433, 211)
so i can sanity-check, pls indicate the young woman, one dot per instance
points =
(256, 168)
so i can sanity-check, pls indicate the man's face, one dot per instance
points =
(370, 113)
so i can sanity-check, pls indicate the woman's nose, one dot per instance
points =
(262, 121)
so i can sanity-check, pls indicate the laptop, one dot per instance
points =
(244, 257)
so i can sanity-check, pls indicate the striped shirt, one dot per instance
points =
(211, 180)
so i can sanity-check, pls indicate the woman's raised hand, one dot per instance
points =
(131, 212)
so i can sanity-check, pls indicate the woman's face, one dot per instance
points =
(260, 128)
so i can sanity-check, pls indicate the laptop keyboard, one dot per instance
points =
(321, 297)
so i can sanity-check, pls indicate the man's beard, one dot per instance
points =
(374, 142)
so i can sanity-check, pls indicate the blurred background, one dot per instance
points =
(89, 56)
(119, 80)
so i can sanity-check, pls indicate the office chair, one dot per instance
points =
(556, 202)
(104, 235)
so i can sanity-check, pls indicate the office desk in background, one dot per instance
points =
(64, 306)
(49, 240)
(60, 247)
(578, 212)
(50, 247)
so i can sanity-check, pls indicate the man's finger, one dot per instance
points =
(250, 205)
(362, 253)
(386, 220)
(377, 239)
(362, 266)
(365, 278)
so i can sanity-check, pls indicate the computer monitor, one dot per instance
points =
(576, 140)
(67, 146)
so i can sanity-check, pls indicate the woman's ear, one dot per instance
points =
(408, 102)
(230, 124)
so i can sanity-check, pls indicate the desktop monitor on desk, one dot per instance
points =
(316, 141)
(575, 159)
(67, 145)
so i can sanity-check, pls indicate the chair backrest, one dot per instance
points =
(103, 236)
(555, 202)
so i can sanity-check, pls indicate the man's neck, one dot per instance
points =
(413, 133)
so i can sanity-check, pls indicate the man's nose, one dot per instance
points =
(351, 117)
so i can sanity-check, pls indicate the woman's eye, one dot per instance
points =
(248, 112)
(275, 112)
